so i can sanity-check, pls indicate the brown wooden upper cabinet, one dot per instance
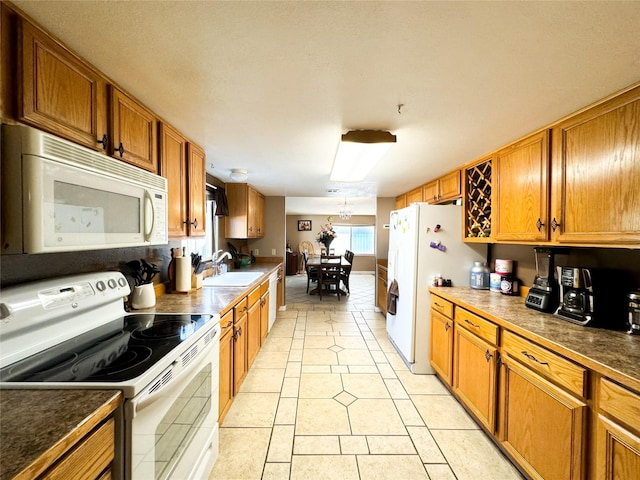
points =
(401, 201)
(443, 189)
(246, 212)
(596, 199)
(414, 195)
(133, 131)
(60, 92)
(521, 190)
(183, 165)
(196, 180)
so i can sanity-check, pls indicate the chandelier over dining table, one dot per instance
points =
(345, 210)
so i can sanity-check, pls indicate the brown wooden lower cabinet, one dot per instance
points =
(442, 346)
(88, 459)
(240, 344)
(253, 326)
(225, 389)
(541, 426)
(617, 432)
(618, 451)
(475, 375)
(243, 330)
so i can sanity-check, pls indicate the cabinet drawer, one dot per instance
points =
(226, 322)
(254, 296)
(441, 305)
(478, 325)
(264, 286)
(558, 369)
(240, 309)
(89, 458)
(620, 402)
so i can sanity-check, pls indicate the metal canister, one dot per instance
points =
(509, 285)
(479, 276)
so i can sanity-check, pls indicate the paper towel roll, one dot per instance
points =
(183, 274)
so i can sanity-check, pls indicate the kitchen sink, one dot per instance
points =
(232, 279)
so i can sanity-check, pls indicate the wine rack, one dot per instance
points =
(478, 201)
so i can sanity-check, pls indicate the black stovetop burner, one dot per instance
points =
(118, 351)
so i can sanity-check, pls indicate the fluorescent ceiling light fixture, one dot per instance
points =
(238, 174)
(358, 152)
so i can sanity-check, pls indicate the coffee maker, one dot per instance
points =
(543, 295)
(593, 297)
(576, 295)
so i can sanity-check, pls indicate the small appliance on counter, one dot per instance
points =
(634, 313)
(543, 295)
(593, 297)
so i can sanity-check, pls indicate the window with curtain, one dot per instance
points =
(360, 239)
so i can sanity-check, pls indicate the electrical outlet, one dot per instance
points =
(273, 251)
(256, 252)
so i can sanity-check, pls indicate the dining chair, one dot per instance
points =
(305, 246)
(345, 271)
(329, 275)
(312, 272)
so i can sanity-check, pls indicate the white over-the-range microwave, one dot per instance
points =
(59, 197)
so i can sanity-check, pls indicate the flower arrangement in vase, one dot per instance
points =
(326, 234)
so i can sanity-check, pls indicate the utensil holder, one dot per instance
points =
(196, 281)
(143, 296)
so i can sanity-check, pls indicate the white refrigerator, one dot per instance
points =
(424, 241)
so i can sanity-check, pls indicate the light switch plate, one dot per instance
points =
(273, 251)
(256, 252)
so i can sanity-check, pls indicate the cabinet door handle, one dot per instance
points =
(229, 324)
(487, 355)
(194, 223)
(471, 323)
(539, 224)
(531, 357)
(104, 141)
(554, 224)
(120, 150)
(446, 327)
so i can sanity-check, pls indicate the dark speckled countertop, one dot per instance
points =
(38, 426)
(210, 299)
(614, 354)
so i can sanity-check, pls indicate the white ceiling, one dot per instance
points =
(271, 86)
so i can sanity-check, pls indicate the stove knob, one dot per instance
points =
(101, 286)
(112, 283)
(122, 282)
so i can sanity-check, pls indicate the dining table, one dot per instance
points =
(314, 261)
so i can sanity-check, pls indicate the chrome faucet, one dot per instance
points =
(217, 261)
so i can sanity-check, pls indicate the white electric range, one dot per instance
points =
(73, 332)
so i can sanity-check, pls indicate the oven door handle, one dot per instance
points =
(167, 379)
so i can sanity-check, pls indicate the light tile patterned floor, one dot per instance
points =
(328, 397)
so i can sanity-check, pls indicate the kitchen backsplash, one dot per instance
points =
(23, 268)
(608, 258)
